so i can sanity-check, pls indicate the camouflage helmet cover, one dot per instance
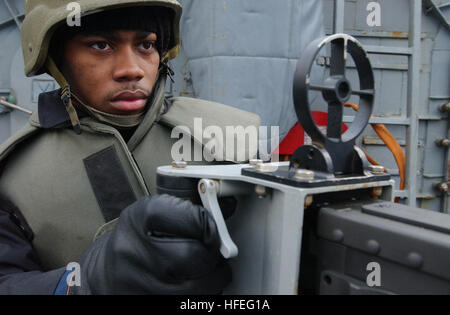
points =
(43, 17)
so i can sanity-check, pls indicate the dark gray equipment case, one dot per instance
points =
(411, 247)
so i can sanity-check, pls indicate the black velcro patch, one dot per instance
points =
(109, 183)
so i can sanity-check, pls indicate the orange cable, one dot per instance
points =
(392, 144)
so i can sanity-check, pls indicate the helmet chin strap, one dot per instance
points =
(66, 97)
(66, 94)
(117, 121)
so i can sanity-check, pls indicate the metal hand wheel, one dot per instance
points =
(335, 152)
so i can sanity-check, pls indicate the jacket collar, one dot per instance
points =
(52, 112)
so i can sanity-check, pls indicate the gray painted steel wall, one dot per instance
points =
(275, 30)
(243, 53)
(10, 43)
(392, 80)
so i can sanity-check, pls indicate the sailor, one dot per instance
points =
(78, 182)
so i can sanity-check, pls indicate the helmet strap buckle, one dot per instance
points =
(66, 97)
(167, 70)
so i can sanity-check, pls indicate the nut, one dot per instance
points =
(256, 162)
(445, 108)
(267, 167)
(308, 201)
(376, 169)
(261, 191)
(179, 165)
(376, 192)
(443, 142)
(304, 174)
(442, 187)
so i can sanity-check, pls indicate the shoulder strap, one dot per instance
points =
(200, 119)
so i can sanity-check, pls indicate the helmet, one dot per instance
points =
(43, 18)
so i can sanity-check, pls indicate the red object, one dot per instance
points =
(297, 136)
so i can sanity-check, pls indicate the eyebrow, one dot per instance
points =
(106, 34)
(113, 35)
(143, 34)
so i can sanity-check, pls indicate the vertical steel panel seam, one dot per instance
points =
(289, 53)
(412, 138)
(339, 16)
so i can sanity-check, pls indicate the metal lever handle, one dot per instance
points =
(208, 190)
(12, 106)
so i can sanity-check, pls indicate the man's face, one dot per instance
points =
(114, 72)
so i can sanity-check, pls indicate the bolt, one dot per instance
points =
(179, 165)
(202, 188)
(445, 108)
(256, 162)
(443, 142)
(11, 98)
(304, 174)
(261, 191)
(266, 167)
(376, 169)
(442, 187)
(308, 201)
(376, 192)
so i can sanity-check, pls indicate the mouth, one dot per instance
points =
(129, 100)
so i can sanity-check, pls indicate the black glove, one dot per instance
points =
(161, 245)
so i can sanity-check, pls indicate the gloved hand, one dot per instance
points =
(161, 245)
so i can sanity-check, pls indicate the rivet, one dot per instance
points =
(415, 260)
(373, 247)
(338, 235)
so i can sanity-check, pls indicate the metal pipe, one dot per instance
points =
(12, 106)
(14, 15)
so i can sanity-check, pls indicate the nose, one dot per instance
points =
(127, 66)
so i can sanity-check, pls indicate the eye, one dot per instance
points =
(147, 45)
(101, 46)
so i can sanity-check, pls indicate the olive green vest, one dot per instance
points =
(67, 186)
